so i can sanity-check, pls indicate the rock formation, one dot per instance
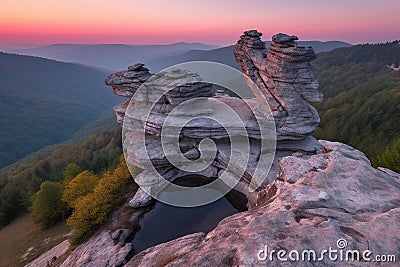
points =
(316, 193)
(99, 251)
(125, 83)
(285, 77)
(160, 96)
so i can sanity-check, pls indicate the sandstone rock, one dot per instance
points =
(315, 194)
(162, 254)
(120, 235)
(282, 38)
(285, 77)
(315, 201)
(389, 172)
(98, 251)
(156, 101)
(49, 256)
(140, 199)
(125, 83)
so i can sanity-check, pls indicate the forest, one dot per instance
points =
(361, 105)
(51, 171)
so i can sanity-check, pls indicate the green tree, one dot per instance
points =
(71, 171)
(391, 157)
(79, 186)
(8, 203)
(47, 206)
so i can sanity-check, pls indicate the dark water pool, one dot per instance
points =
(165, 222)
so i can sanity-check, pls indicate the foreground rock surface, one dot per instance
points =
(100, 250)
(50, 256)
(315, 201)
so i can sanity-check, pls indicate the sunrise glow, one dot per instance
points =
(209, 21)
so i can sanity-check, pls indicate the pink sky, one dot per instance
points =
(208, 21)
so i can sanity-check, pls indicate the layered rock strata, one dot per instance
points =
(286, 79)
(125, 83)
(156, 102)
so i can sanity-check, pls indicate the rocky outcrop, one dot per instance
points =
(315, 201)
(285, 77)
(156, 102)
(316, 194)
(101, 250)
(50, 256)
(125, 83)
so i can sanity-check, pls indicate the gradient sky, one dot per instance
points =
(208, 21)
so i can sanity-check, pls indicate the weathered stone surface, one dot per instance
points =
(50, 256)
(140, 199)
(155, 102)
(282, 38)
(285, 77)
(100, 250)
(120, 235)
(389, 172)
(164, 253)
(314, 201)
(125, 83)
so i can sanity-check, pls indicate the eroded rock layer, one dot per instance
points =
(285, 77)
(125, 83)
(205, 117)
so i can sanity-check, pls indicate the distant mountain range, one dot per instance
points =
(43, 102)
(225, 54)
(157, 57)
(110, 56)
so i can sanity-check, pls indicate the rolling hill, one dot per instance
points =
(44, 102)
(110, 56)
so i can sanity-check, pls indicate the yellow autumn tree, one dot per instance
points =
(79, 186)
(93, 209)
